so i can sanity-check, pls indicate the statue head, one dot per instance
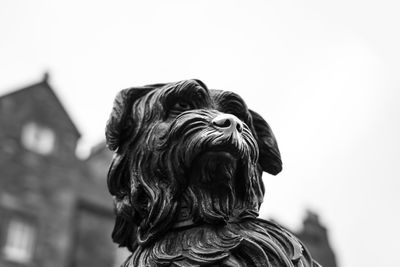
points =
(185, 154)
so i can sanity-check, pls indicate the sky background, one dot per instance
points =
(324, 74)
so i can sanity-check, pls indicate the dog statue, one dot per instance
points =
(186, 179)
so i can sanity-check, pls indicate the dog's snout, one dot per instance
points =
(227, 123)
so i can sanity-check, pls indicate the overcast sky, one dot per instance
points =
(324, 74)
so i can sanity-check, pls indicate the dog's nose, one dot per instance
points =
(227, 123)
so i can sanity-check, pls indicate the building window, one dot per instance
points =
(38, 138)
(19, 242)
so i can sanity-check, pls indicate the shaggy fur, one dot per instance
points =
(186, 193)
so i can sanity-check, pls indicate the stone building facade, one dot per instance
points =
(53, 211)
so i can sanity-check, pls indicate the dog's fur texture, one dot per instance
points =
(186, 193)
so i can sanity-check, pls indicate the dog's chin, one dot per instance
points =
(216, 167)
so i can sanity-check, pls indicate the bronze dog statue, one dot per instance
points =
(186, 179)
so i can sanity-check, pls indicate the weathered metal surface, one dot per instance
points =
(186, 178)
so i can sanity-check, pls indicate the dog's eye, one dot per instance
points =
(178, 107)
(181, 106)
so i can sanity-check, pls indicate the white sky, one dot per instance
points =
(325, 75)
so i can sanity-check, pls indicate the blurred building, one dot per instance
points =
(315, 236)
(55, 209)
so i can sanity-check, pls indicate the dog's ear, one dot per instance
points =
(120, 123)
(269, 157)
(119, 128)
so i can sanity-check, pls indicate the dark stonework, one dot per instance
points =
(186, 179)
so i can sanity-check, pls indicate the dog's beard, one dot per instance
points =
(211, 186)
(215, 176)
